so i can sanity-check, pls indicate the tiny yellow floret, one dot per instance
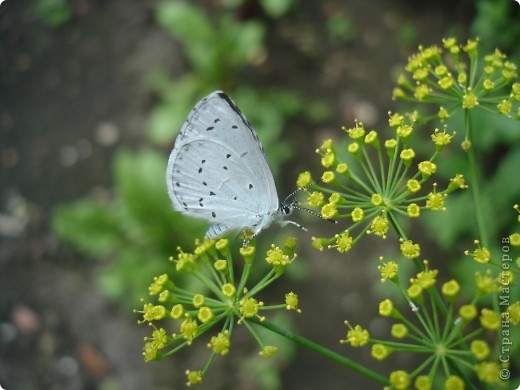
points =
(490, 319)
(304, 179)
(399, 331)
(220, 343)
(356, 336)
(480, 349)
(386, 308)
(399, 380)
(468, 312)
(194, 377)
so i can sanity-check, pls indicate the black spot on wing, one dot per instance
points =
(228, 155)
(209, 128)
(213, 214)
(250, 186)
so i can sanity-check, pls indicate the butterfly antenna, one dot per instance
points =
(309, 211)
(312, 212)
(296, 191)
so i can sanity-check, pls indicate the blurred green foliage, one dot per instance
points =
(341, 27)
(499, 155)
(496, 23)
(218, 49)
(137, 229)
(53, 13)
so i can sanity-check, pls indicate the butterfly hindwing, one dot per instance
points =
(218, 170)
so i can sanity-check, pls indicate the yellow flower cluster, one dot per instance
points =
(440, 75)
(373, 198)
(223, 299)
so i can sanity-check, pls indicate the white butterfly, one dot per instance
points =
(218, 171)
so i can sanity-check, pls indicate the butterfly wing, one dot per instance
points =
(217, 169)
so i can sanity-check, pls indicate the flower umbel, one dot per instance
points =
(440, 333)
(375, 193)
(451, 80)
(222, 300)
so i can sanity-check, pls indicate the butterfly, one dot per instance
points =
(218, 171)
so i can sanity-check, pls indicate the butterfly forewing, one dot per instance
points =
(218, 170)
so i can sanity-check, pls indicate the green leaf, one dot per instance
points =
(276, 8)
(184, 21)
(53, 13)
(169, 114)
(141, 181)
(89, 226)
(242, 42)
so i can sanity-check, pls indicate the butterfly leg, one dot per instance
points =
(284, 223)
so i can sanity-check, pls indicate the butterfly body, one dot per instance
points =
(217, 170)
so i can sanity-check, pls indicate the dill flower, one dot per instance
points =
(189, 328)
(379, 226)
(413, 210)
(268, 351)
(513, 312)
(399, 331)
(425, 279)
(205, 314)
(445, 79)
(356, 336)
(194, 377)
(439, 334)
(386, 308)
(450, 289)
(329, 211)
(319, 243)
(441, 139)
(469, 99)
(388, 270)
(481, 255)
(409, 249)
(177, 311)
(220, 343)
(435, 200)
(486, 284)
(221, 301)
(249, 308)
(379, 351)
(276, 257)
(490, 319)
(315, 199)
(479, 349)
(343, 242)
(304, 179)
(423, 382)
(372, 198)
(468, 312)
(488, 372)
(453, 382)
(399, 379)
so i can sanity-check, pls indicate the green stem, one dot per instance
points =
(474, 181)
(460, 373)
(329, 354)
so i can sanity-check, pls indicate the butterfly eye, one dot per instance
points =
(286, 209)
